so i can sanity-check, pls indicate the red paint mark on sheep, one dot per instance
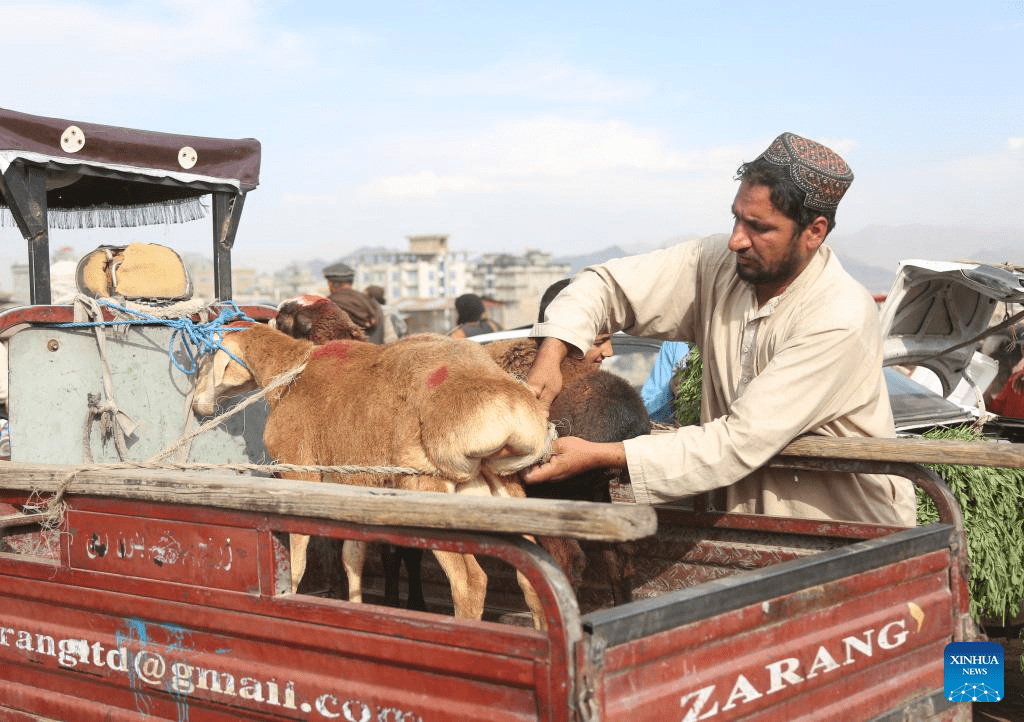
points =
(334, 349)
(437, 377)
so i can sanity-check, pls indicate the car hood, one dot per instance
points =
(935, 306)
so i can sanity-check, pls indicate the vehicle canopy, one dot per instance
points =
(72, 174)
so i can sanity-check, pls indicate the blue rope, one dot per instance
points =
(197, 339)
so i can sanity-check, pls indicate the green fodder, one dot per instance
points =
(992, 503)
(686, 385)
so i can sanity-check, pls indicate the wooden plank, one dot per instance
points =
(341, 502)
(911, 451)
(15, 520)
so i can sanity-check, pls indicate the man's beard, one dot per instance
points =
(784, 271)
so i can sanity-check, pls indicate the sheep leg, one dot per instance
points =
(468, 581)
(540, 621)
(569, 555)
(412, 558)
(353, 558)
(392, 558)
(619, 573)
(511, 487)
(298, 544)
(392, 563)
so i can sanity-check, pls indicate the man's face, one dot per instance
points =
(770, 250)
(601, 350)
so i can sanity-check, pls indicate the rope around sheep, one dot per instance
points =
(55, 506)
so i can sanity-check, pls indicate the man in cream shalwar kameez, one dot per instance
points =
(796, 348)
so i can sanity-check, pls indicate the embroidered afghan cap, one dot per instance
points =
(818, 170)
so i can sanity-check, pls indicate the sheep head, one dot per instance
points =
(315, 318)
(220, 376)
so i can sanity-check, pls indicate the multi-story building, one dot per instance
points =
(429, 269)
(424, 281)
(421, 283)
(245, 285)
(516, 284)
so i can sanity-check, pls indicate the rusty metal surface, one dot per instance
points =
(206, 556)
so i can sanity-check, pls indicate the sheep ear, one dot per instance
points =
(209, 384)
(228, 373)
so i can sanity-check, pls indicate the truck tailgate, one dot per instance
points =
(769, 644)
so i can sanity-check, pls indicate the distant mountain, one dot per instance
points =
(1006, 254)
(886, 246)
(316, 265)
(876, 280)
(589, 259)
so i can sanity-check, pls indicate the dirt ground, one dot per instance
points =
(1011, 709)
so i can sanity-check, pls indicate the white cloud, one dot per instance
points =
(1015, 144)
(842, 146)
(551, 181)
(523, 154)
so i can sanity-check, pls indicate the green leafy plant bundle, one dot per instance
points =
(992, 503)
(686, 385)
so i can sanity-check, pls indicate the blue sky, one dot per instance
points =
(566, 126)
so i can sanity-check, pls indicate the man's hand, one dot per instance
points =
(571, 455)
(545, 377)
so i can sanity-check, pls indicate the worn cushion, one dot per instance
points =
(135, 271)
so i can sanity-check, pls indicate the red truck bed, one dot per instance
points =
(143, 609)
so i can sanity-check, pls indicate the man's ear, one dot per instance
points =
(814, 234)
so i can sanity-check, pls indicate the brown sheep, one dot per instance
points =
(427, 402)
(595, 405)
(516, 356)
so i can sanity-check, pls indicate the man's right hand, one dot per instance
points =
(545, 377)
(571, 455)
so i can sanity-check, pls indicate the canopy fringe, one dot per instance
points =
(181, 210)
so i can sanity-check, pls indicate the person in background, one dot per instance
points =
(602, 347)
(657, 389)
(790, 345)
(364, 311)
(472, 317)
(394, 324)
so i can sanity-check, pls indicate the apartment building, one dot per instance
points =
(429, 269)
(516, 283)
